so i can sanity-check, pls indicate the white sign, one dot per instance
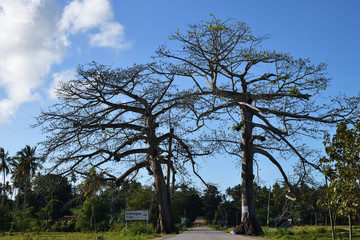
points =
(245, 209)
(137, 215)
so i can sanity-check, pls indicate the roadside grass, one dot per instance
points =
(310, 233)
(136, 231)
(75, 236)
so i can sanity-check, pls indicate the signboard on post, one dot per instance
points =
(137, 215)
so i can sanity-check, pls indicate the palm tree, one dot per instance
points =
(93, 184)
(4, 167)
(25, 165)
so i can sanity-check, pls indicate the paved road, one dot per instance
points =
(204, 233)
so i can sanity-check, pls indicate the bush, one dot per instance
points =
(137, 228)
(5, 218)
(117, 226)
(22, 223)
(68, 226)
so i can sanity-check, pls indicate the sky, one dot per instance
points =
(43, 41)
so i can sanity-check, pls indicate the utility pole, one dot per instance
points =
(268, 209)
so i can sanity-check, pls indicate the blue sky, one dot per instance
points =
(42, 41)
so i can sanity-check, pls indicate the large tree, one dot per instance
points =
(117, 116)
(52, 186)
(53, 194)
(269, 96)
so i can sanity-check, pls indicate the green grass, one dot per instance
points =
(296, 232)
(73, 236)
(310, 233)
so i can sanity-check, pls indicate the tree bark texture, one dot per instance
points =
(250, 224)
(164, 224)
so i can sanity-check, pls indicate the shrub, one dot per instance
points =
(137, 228)
(68, 226)
(5, 218)
(21, 223)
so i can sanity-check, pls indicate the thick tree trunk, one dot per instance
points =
(164, 224)
(250, 224)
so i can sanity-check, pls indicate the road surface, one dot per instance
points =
(204, 233)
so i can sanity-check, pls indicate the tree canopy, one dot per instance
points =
(118, 116)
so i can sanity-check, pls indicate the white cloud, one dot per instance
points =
(35, 34)
(27, 50)
(110, 35)
(81, 16)
(7, 108)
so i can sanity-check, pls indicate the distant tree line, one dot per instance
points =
(35, 202)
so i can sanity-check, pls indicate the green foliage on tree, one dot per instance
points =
(52, 186)
(186, 203)
(226, 211)
(53, 210)
(211, 200)
(93, 207)
(93, 184)
(342, 168)
(144, 198)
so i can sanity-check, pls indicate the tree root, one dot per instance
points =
(250, 227)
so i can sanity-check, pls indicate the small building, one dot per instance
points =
(67, 218)
(199, 221)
